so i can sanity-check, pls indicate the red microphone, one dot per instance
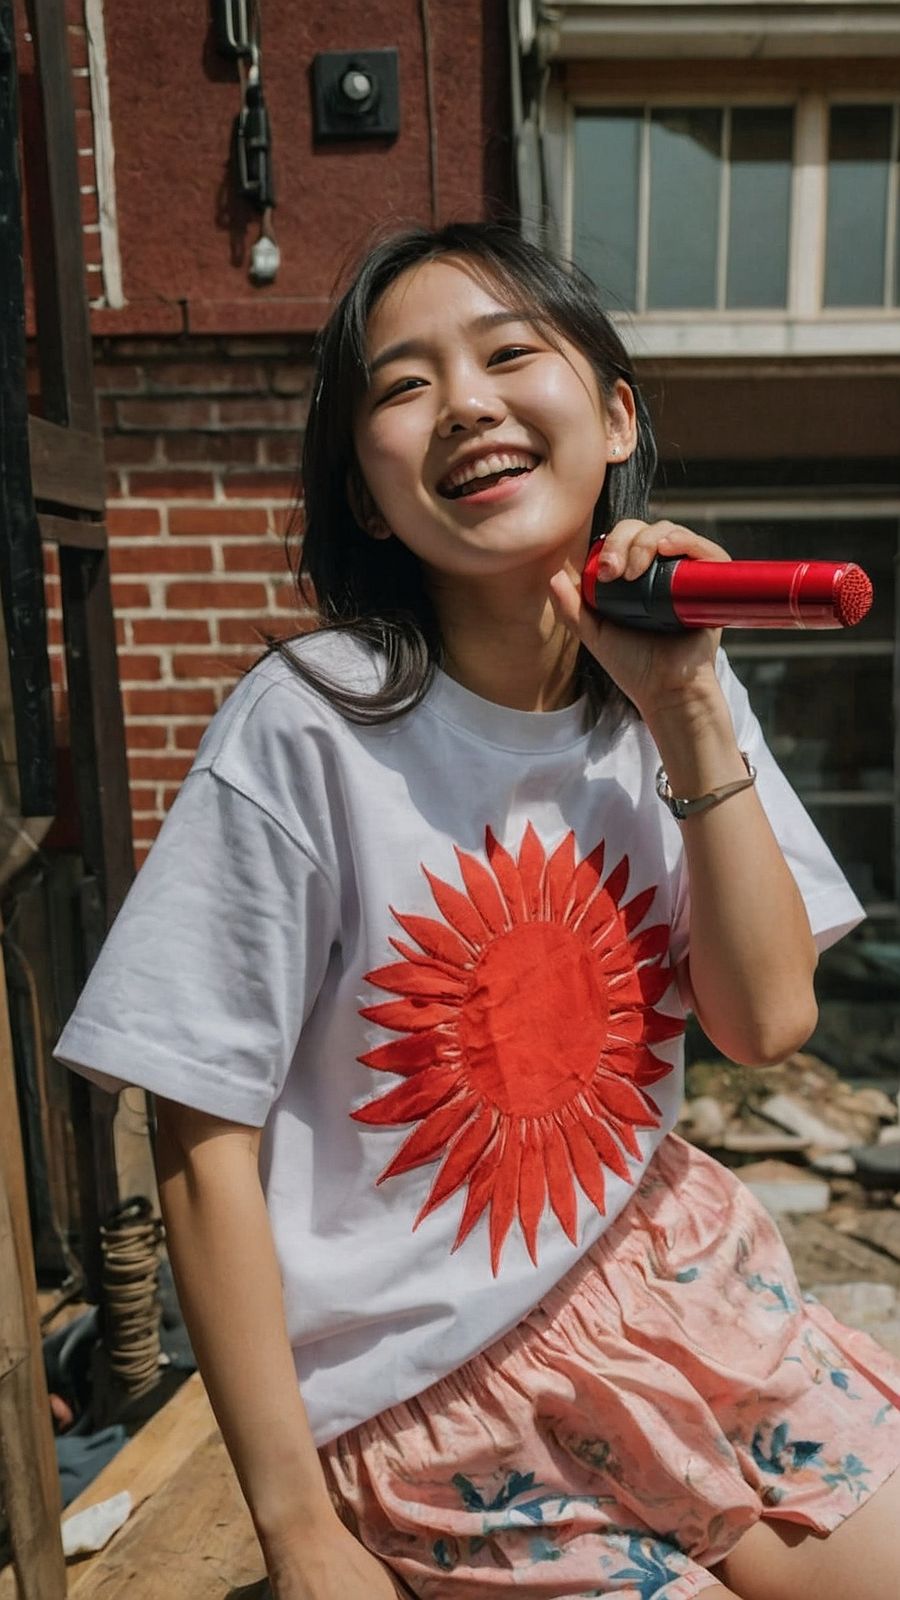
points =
(676, 593)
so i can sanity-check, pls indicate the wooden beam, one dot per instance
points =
(21, 561)
(97, 723)
(61, 308)
(29, 1475)
(71, 531)
(67, 465)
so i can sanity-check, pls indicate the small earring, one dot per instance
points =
(615, 449)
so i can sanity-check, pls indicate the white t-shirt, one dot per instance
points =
(434, 959)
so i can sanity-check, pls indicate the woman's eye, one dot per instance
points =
(510, 352)
(404, 386)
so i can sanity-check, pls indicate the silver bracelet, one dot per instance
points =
(681, 808)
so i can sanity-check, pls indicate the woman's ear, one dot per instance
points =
(364, 508)
(621, 423)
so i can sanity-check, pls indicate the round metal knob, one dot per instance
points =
(356, 85)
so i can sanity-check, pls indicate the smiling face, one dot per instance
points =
(482, 439)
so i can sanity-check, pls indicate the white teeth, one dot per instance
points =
(487, 466)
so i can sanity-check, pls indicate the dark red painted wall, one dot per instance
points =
(184, 234)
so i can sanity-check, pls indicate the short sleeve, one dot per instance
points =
(831, 905)
(206, 978)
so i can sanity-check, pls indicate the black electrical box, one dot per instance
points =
(356, 94)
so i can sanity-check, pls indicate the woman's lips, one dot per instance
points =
(502, 489)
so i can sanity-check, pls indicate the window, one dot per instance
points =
(861, 237)
(671, 204)
(778, 216)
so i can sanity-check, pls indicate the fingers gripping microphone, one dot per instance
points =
(675, 594)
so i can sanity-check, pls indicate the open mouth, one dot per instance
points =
(476, 476)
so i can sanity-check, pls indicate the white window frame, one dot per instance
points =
(805, 327)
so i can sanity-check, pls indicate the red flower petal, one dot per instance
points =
(585, 1160)
(642, 988)
(620, 1097)
(428, 1139)
(627, 1028)
(600, 922)
(653, 942)
(481, 1184)
(627, 1136)
(658, 1025)
(584, 882)
(431, 981)
(636, 1062)
(635, 911)
(414, 1014)
(458, 910)
(560, 870)
(532, 1187)
(532, 862)
(508, 877)
(410, 1100)
(418, 958)
(461, 1159)
(436, 939)
(559, 1178)
(597, 1130)
(617, 882)
(481, 886)
(413, 1053)
(648, 1073)
(504, 1197)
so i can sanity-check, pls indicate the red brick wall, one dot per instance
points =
(203, 426)
(202, 441)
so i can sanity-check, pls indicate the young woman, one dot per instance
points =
(408, 970)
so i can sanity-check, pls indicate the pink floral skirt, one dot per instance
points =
(672, 1389)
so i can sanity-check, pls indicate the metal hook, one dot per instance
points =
(235, 27)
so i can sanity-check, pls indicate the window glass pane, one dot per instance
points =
(858, 166)
(685, 163)
(828, 720)
(762, 140)
(861, 838)
(607, 175)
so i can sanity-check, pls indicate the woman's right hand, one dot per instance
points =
(327, 1563)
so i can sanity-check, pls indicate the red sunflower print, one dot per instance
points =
(525, 1020)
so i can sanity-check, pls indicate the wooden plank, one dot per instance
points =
(101, 779)
(28, 1470)
(67, 465)
(155, 1453)
(63, 329)
(194, 1538)
(97, 723)
(146, 1464)
(38, 1562)
(71, 531)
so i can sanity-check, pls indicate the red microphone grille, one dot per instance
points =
(852, 596)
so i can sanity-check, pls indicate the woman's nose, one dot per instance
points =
(469, 405)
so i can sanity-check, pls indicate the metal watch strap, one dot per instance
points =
(681, 808)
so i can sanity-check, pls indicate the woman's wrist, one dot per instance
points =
(696, 740)
(286, 1532)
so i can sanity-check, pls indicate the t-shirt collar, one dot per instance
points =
(502, 725)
